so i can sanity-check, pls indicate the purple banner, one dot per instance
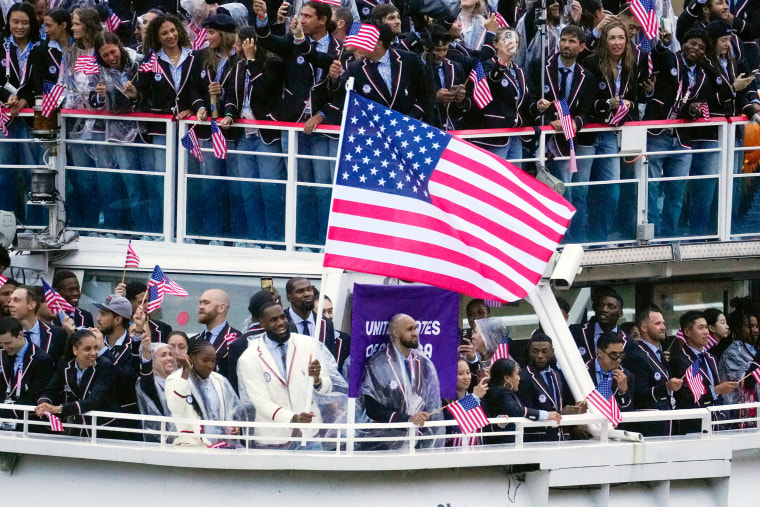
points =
(436, 312)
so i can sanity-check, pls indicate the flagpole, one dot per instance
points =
(124, 273)
(318, 323)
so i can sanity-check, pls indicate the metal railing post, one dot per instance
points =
(726, 136)
(181, 202)
(291, 190)
(171, 171)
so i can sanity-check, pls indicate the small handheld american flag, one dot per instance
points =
(150, 65)
(647, 17)
(55, 301)
(51, 97)
(481, 93)
(502, 23)
(604, 401)
(113, 22)
(502, 351)
(156, 289)
(133, 260)
(694, 379)
(200, 38)
(5, 118)
(218, 140)
(55, 422)
(86, 64)
(620, 113)
(645, 46)
(3, 280)
(705, 110)
(362, 36)
(568, 127)
(468, 414)
(190, 143)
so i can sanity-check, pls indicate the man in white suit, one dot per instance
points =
(279, 374)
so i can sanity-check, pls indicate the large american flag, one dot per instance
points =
(218, 140)
(603, 399)
(502, 351)
(132, 260)
(362, 36)
(416, 203)
(694, 379)
(190, 142)
(568, 128)
(51, 97)
(646, 16)
(55, 301)
(113, 22)
(87, 64)
(481, 92)
(468, 414)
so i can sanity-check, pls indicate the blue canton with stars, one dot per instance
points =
(388, 152)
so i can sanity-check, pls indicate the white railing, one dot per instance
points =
(347, 438)
(175, 179)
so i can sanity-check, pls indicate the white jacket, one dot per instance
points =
(275, 398)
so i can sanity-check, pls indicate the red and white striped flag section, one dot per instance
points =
(705, 110)
(501, 21)
(336, 3)
(620, 113)
(190, 142)
(230, 337)
(155, 293)
(605, 402)
(711, 342)
(5, 118)
(200, 37)
(55, 422)
(170, 287)
(218, 140)
(432, 208)
(86, 64)
(133, 260)
(645, 46)
(3, 280)
(51, 97)
(468, 414)
(647, 17)
(481, 92)
(694, 379)
(755, 371)
(502, 351)
(55, 301)
(113, 22)
(151, 65)
(568, 127)
(362, 36)
(679, 335)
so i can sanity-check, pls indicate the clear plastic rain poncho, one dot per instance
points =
(79, 86)
(151, 397)
(492, 330)
(122, 131)
(405, 386)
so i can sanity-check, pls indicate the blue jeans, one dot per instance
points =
(627, 210)
(665, 213)
(513, 150)
(206, 198)
(90, 193)
(257, 209)
(702, 213)
(576, 232)
(12, 154)
(313, 204)
(144, 193)
(603, 199)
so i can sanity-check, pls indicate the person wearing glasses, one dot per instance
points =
(607, 366)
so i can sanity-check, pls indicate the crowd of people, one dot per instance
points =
(290, 365)
(266, 60)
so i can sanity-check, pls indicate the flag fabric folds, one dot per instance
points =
(646, 16)
(113, 22)
(133, 260)
(568, 128)
(51, 97)
(502, 23)
(170, 287)
(218, 140)
(150, 65)
(620, 113)
(55, 301)
(694, 379)
(502, 351)
(415, 203)
(190, 142)
(86, 64)
(5, 118)
(604, 401)
(481, 93)
(468, 414)
(55, 422)
(155, 293)
(362, 36)
(3, 280)
(200, 36)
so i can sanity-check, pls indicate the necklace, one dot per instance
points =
(175, 59)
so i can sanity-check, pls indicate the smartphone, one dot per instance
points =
(267, 285)
(291, 10)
